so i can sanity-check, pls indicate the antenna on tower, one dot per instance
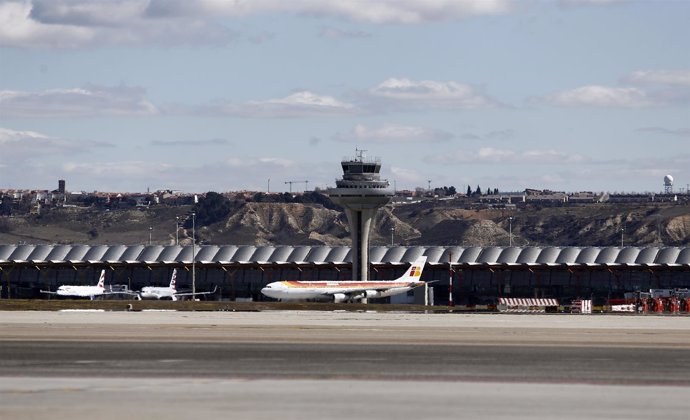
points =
(360, 154)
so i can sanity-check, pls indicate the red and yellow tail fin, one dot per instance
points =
(414, 273)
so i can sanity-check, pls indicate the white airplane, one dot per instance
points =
(170, 292)
(347, 291)
(84, 291)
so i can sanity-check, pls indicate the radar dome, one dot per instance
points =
(668, 180)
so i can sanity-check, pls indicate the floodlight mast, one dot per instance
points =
(193, 255)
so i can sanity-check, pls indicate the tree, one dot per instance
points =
(469, 191)
(478, 191)
(212, 208)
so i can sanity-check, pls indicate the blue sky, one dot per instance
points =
(212, 95)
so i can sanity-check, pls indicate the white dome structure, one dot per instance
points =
(668, 184)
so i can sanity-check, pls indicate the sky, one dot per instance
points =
(213, 95)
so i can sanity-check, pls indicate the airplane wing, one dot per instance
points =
(129, 292)
(197, 293)
(354, 293)
(48, 292)
(353, 290)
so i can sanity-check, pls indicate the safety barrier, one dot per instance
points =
(581, 306)
(526, 305)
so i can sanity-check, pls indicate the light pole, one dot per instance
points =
(622, 230)
(392, 234)
(450, 280)
(510, 231)
(193, 256)
(177, 230)
(150, 232)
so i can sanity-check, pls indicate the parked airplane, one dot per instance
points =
(85, 291)
(170, 292)
(347, 291)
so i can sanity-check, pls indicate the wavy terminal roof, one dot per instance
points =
(315, 255)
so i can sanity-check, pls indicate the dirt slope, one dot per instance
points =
(430, 223)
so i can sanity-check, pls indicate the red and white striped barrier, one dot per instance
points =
(525, 304)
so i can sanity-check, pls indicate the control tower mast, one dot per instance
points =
(361, 192)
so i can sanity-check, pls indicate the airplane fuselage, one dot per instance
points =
(347, 291)
(80, 291)
(335, 290)
(150, 292)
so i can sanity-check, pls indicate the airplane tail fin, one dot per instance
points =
(173, 280)
(101, 280)
(414, 273)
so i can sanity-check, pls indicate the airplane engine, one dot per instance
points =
(372, 294)
(339, 297)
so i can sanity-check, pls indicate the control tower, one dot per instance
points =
(361, 192)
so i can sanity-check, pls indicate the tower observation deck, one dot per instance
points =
(361, 192)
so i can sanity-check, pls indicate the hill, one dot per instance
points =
(425, 223)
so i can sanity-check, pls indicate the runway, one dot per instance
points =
(341, 364)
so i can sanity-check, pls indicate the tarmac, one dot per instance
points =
(315, 365)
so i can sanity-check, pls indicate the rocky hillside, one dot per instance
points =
(428, 223)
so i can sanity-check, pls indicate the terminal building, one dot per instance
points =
(480, 274)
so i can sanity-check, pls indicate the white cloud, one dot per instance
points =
(143, 169)
(501, 134)
(86, 13)
(7, 135)
(336, 33)
(382, 11)
(191, 143)
(406, 12)
(590, 2)
(660, 77)
(256, 173)
(18, 29)
(299, 104)
(391, 95)
(602, 97)
(424, 94)
(407, 175)
(78, 23)
(246, 162)
(88, 101)
(491, 155)
(222, 174)
(679, 132)
(495, 135)
(19, 145)
(307, 99)
(650, 88)
(391, 133)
